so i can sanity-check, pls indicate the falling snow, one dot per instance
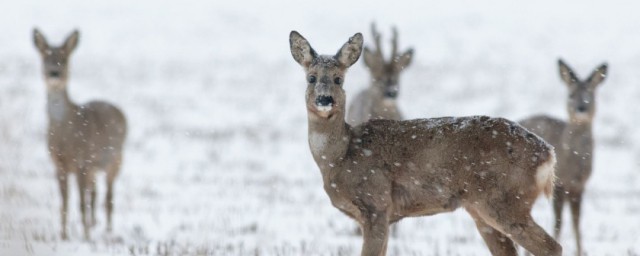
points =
(218, 157)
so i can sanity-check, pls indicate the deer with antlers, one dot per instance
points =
(378, 101)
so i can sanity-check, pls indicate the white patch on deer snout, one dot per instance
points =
(582, 117)
(324, 108)
(317, 142)
(389, 102)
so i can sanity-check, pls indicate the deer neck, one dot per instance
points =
(328, 139)
(59, 105)
(579, 128)
(578, 138)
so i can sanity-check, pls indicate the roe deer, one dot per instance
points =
(573, 141)
(379, 100)
(384, 170)
(82, 139)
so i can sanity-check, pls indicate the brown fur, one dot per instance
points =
(82, 139)
(573, 141)
(384, 170)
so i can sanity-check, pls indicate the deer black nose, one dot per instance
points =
(582, 109)
(54, 74)
(391, 94)
(324, 100)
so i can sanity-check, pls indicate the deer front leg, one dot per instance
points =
(575, 202)
(558, 204)
(64, 185)
(375, 232)
(92, 191)
(82, 188)
(112, 173)
(109, 202)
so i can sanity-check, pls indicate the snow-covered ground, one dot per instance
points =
(217, 160)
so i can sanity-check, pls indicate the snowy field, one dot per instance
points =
(217, 161)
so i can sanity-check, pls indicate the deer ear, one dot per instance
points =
(39, 41)
(598, 75)
(71, 42)
(301, 49)
(403, 60)
(566, 73)
(350, 51)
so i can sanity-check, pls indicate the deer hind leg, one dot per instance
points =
(64, 193)
(558, 204)
(532, 237)
(112, 173)
(92, 191)
(498, 243)
(575, 202)
(524, 231)
(515, 222)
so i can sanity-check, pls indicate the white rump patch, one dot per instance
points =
(317, 142)
(545, 175)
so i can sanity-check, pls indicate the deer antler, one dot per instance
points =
(394, 44)
(376, 39)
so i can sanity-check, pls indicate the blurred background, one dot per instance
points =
(217, 160)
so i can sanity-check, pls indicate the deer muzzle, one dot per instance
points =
(581, 109)
(324, 101)
(54, 74)
(391, 91)
(391, 94)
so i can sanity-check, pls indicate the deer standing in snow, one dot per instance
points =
(573, 141)
(82, 139)
(384, 170)
(378, 101)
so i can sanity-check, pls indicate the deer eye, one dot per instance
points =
(337, 80)
(312, 79)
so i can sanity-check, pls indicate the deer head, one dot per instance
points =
(581, 103)
(386, 74)
(325, 74)
(55, 59)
